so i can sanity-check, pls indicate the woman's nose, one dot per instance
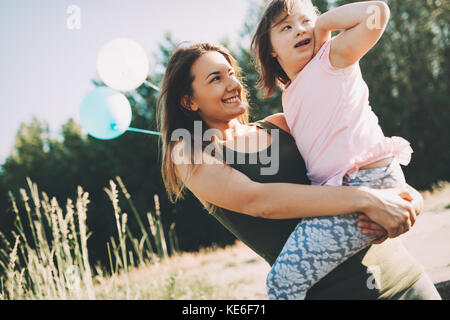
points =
(234, 84)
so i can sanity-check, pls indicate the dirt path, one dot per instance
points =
(429, 242)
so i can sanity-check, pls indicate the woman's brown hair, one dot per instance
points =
(271, 72)
(171, 115)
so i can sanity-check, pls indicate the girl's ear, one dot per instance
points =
(274, 54)
(186, 102)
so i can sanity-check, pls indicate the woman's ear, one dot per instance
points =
(188, 104)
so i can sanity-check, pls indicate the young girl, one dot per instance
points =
(325, 102)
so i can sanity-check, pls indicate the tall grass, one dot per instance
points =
(49, 258)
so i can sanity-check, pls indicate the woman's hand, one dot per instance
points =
(371, 228)
(392, 209)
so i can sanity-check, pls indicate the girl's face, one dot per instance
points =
(216, 90)
(292, 39)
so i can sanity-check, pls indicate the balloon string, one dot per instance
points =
(144, 131)
(151, 85)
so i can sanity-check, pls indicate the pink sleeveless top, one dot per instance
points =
(327, 110)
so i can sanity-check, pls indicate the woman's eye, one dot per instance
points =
(285, 28)
(306, 21)
(215, 78)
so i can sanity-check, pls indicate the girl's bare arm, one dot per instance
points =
(363, 24)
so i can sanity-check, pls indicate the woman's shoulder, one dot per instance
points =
(278, 120)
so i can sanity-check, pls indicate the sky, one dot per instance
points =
(47, 59)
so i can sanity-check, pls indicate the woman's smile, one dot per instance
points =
(232, 100)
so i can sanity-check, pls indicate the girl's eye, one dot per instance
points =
(285, 28)
(306, 20)
(214, 79)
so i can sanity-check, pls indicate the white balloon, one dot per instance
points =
(122, 64)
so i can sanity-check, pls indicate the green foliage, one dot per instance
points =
(60, 163)
(407, 73)
(322, 5)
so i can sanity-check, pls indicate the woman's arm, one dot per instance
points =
(365, 223)
(363, 24)
(225, 187)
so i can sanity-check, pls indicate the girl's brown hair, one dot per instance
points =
(171, 115)
(271, 72)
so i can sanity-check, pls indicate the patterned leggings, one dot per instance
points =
(318, 245)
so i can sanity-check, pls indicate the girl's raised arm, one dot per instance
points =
(363, 24)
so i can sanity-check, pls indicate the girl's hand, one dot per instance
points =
(391, 209)
(413, 196)
(371, 228)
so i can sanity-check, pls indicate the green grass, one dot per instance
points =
(209, 274)
(49, 258)
(438, 198)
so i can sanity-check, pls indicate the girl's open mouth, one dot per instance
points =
(302, 43)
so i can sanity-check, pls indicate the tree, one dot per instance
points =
(59, 165)
(407, 74)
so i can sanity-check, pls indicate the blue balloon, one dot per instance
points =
(105, 113)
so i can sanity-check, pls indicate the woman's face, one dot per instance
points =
(216, 90)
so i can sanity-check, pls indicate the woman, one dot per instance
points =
(203, 118)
